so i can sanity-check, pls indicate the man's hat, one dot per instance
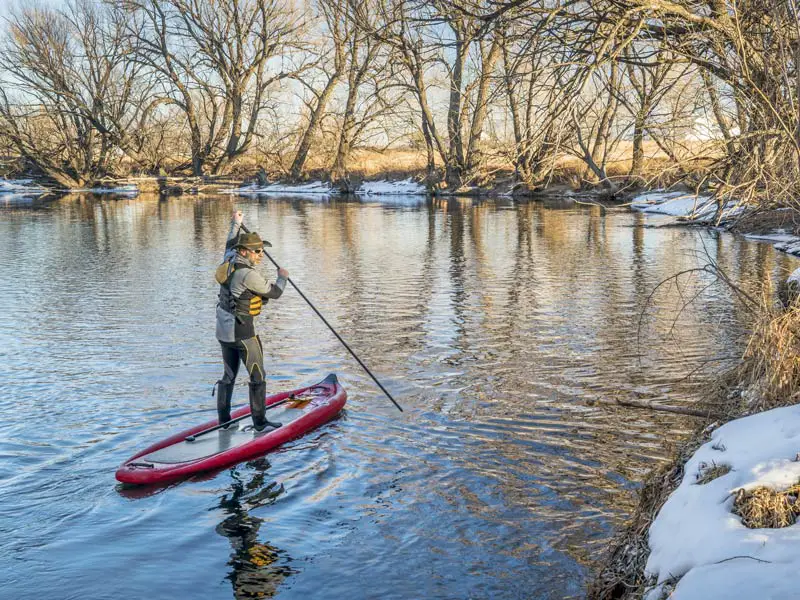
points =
(251, 240)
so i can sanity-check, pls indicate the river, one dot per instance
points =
(500, 327)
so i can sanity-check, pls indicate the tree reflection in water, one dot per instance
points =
(257, 568)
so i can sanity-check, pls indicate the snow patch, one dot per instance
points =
(19, 185)
(776, 237)
(315, 187)
(790, 247)
(675, 204)
(407, 187)
(125, 190)
(19, 189)
(696, 536)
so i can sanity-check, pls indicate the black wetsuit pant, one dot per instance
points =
(249, 352)
(246, 351)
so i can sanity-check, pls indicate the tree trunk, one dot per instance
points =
(454, 166)
(637, 159)
(313, 125)
(473, 155)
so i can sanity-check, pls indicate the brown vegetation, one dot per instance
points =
(767, 377)
(709, 473)
(763, 507)
(771, 364)
(528, 92)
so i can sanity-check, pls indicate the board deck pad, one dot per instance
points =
(222, 439)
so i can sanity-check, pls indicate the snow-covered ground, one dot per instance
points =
(407, 187)
(315, 187)
(703, 208)
(19, 189)
(27, 188)
(675, 204)
(697, 538)
(124, 190)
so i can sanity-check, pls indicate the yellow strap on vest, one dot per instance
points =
(255, 305)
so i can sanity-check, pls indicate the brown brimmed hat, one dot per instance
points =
(251, 240)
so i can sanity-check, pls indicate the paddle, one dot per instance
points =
(319, 314)
(194, 436)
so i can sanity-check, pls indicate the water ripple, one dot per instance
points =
(500, 327)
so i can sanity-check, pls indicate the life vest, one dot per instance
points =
(247, 304)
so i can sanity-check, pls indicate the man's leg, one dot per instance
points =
(230, 358)
(254, 362)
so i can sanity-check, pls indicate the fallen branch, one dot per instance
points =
(649, 405)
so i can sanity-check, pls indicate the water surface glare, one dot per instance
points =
(501, 328)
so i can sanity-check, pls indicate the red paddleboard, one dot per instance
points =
(197, 450)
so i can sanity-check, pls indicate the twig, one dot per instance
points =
(743, 556)
(648, 405)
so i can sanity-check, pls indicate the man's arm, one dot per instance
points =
(258, 285)
(233, 233)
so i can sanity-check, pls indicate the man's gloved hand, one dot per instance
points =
(237, 217)
(283, 273)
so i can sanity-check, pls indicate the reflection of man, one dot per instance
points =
(256, 572)
(242, 292)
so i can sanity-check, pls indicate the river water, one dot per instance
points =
(500, 327)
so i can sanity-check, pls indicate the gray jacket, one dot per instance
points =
(233, 326)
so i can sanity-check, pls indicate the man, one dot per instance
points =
(242, 292)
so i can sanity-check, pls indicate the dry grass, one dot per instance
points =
(770, 376)
(401, 163)
(709, 473)
(771, 365)
(621, 576)
(765, 508)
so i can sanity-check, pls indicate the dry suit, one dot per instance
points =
(242, 293)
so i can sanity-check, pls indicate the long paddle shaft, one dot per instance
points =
(319, 314)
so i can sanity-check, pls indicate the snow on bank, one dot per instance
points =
(779, 236)
(407, 187)
(19, 189)
(315, 187)
(124, 190)
(27, 188)
(675, 204)
(791, 246)
(697, 538)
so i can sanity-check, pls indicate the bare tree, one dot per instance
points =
(71, 97)
(529, 72)
(216, 62)
(752, 50)
(368, 98)
(594, 124)
(339, 31)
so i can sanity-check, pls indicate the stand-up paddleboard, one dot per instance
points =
(206, 447)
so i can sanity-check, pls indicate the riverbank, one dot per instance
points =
(255, 186)
(718, 520)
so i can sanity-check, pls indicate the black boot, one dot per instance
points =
(224, 395)
(258, 392)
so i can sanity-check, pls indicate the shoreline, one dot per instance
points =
(688, 208)
(690, 535)
(407, 186)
